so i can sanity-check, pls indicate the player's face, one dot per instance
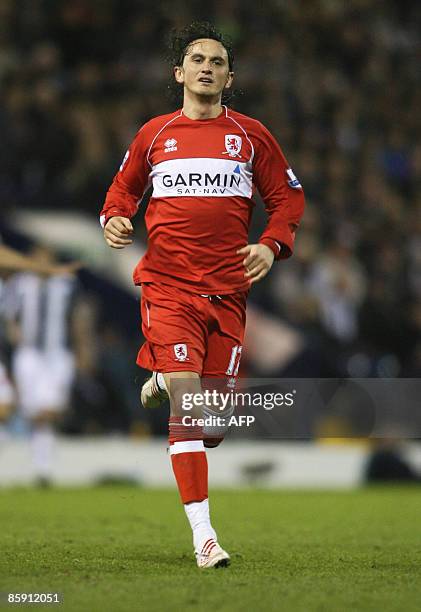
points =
(205, 70)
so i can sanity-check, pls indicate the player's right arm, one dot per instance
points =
(125, 194)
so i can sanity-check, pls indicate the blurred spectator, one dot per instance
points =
(338, 283)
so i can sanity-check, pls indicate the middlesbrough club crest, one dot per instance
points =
(180, 351)
(232, 145)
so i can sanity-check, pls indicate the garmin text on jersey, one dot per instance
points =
(202, 177)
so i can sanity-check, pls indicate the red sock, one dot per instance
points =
(188, 458)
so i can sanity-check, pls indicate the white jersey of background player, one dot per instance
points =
(43, 368)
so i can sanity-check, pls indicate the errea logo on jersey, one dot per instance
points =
(170, 145)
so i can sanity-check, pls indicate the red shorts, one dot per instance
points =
(187, 332)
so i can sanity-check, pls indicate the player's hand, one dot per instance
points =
(258, 261)
(117, 232)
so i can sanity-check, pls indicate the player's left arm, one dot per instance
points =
(283, 197)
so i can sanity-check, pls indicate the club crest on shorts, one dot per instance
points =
(233, 145)
(180, 352)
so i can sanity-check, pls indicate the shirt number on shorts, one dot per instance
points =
(234, 363)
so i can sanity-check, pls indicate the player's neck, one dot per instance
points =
(201, 109)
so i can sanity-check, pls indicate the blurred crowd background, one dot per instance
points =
(336, 81)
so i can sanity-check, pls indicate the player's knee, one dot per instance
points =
(183, 393)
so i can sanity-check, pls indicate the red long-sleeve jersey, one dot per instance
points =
(203, 174)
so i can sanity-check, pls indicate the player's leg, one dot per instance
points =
(29, 371)
(43, 444)
(154, 391)
(190, 467)
(174, 323)
(222, 360)
(53, 399)
(43, 384)
(175, 335)
(7, 397)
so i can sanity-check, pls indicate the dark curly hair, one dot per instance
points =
(178, 45)
(180, 40)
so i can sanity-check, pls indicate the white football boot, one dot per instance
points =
(212, 555)
(151, 394)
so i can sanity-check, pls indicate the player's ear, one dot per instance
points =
(229, 81)
(179, 74)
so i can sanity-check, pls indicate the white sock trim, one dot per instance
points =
(187, 446)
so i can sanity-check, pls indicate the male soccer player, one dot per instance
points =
(39, 311)
(12, 261)
(204, 163)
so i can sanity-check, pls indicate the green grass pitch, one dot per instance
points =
(122, 549)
